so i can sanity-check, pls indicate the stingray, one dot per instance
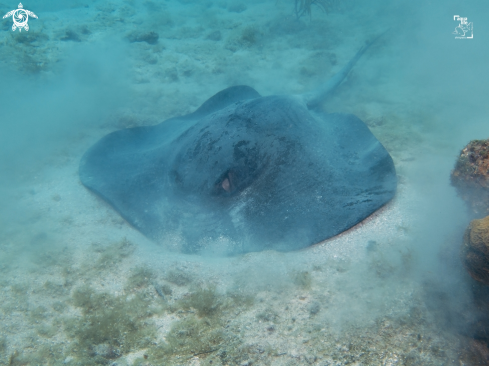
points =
(245, 172)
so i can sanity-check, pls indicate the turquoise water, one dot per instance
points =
(80, 286)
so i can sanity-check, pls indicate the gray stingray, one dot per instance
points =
(245, 173)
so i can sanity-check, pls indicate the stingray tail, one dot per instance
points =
(315, 98)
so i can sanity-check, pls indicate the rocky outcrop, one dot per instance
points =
(475, 250)
(471, 176)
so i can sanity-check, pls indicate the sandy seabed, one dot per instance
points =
(80, 286)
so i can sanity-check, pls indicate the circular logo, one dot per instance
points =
(20, 18)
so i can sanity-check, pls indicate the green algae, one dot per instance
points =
(46, 330)
(408, 259)
(381, 265)
(197, 334)
(140, 277)
(20, 289)
(268, 315)
(119, 323)
(3, 345)
(205, 301)
(49, 354)
(162, 290)
(55, 290)
(113, 254)
(249, 35)
(304, 7)
(179, 277)
(38, 313)
(190, 336)
(241, 299)
(204, 330)
(59, 306)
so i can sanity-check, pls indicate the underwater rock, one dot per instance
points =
(475, 250)
(471, 176)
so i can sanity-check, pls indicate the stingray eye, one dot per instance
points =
(226, 184)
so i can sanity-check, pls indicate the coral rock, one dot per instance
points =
(475, 250)
(471, 176)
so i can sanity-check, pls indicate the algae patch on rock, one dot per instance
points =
(471, 176)
(475, 250)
